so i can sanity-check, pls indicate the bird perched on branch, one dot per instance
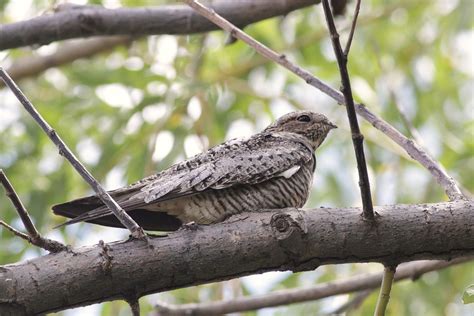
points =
(270, 170)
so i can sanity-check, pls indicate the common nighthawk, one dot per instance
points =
(270, 170)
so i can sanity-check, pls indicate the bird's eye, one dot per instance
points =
(303, 118)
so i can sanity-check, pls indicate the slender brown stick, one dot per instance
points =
(369, 281)
(357, 137)
(33, 236)
(352, 304)
(411, 129)
(353, 26)
(11, 194)
(413, 150)
(416, 136)
(15, 231)
(33, 65)
(123, 217)
(406, 121)
(134, 306)
(385, 288)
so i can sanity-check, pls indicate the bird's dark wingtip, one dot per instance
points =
(61, 225)
(69, 222)
(148, 220)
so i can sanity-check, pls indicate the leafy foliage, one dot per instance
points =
(468, 296)
(138, 109)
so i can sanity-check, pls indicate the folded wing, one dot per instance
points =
(233, 163)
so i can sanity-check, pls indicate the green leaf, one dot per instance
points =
(468, 296)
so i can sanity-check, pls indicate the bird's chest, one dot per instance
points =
(293, 191)
(215, 205)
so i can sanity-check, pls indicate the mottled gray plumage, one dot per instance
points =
(270, 170)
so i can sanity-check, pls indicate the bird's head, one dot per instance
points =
(314, 127)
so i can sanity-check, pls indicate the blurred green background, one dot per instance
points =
(137, 109)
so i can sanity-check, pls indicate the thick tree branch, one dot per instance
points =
(413, 150)
(172, 19)
(357, 137)
(249, 243)
(64, 151)
(365, 283)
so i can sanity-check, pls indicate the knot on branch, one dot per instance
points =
(106, 263)
(90, 23)
(358, 137)
(284, 226)
(290, 229)
(281, 224)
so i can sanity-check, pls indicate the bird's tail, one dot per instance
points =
(83, 209)
(91, 209)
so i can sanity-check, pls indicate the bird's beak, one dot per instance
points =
(332, 125)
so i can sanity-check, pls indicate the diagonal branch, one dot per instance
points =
(364, 283)
(413, 150)
(353, 26)
(33, 236)
(16, 232)
(357, 137)
(124, 218)
(353, 303)
(33, 65)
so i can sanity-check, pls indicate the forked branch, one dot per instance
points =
(123, 217)
(33, 235)
(353, 26)
(413, 150)
(357, 137)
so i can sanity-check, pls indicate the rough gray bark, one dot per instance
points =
(290, 239)
(176, 19)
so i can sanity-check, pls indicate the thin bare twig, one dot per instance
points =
(413, 150)
(406, 121)
(306, 40)
(11, 194)
(33, 65)
(416, 136)
(134, 306)
(33, 235)
(369, 281)
(357, 137)
(15, 231)
(385, 288)
(413, 132)
(353, 26)
(123, 217)
(352, 304)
